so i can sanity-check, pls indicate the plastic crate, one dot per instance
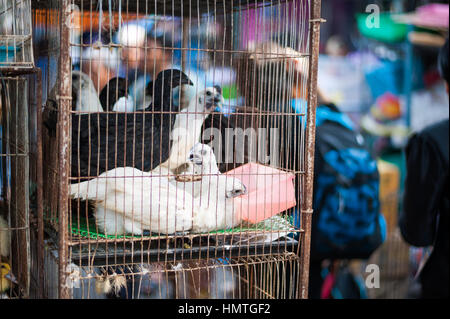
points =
(269, 192)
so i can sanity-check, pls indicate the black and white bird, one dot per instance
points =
(214, 193)
(84, 96)
(188, 125)
(114, 96)
(146, 99)
(102, 141)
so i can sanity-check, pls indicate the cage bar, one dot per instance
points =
(267, 49)
(16, 48)
(15, 187)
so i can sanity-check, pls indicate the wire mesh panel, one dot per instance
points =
(262, 277)
(14, 201)
(16, 51)
(176, 133)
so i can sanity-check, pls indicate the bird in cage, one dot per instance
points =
(142, 139)
(84, 96)
(130, 201)
(214, 192)
(84, 100)
(188, 125)
(6, 279)
(119, 207)
(114, 96)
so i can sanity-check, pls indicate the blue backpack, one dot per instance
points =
(347, 222)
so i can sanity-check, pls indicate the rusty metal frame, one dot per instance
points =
(40, 183)
(64, 105)
(308, 178)
(64, 129)
(35, 102)
(39, 223)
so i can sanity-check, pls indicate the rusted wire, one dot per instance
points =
(269, 53)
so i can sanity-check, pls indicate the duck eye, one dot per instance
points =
(208, 93)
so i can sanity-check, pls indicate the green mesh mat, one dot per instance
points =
(86, 228)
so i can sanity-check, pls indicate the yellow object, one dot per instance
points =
(5, 277)
(389, 191)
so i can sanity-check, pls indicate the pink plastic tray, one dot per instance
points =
(270, 192)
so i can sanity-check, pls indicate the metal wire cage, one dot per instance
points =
(15, 188)
(16, 49)
(248, 71)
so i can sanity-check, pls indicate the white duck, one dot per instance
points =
(214, 193)
(188, 124)
(130, 201)
(84, 96)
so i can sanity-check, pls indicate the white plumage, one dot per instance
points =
(214, 193)
(128, 200)
(124, 104)
(84, 93)
(188, 124)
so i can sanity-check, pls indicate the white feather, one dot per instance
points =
(128, 200)
(214, 193)
(124, 104)
(87, 97)
(188, 124)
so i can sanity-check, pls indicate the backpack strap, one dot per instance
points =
(330, 112)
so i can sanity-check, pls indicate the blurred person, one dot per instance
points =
(154, 58)
(149, 48)
(146, 48)
(336, 46)
(351, 209)
(424, 220)
(100, 63)
(132, 38)
(145, 54)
